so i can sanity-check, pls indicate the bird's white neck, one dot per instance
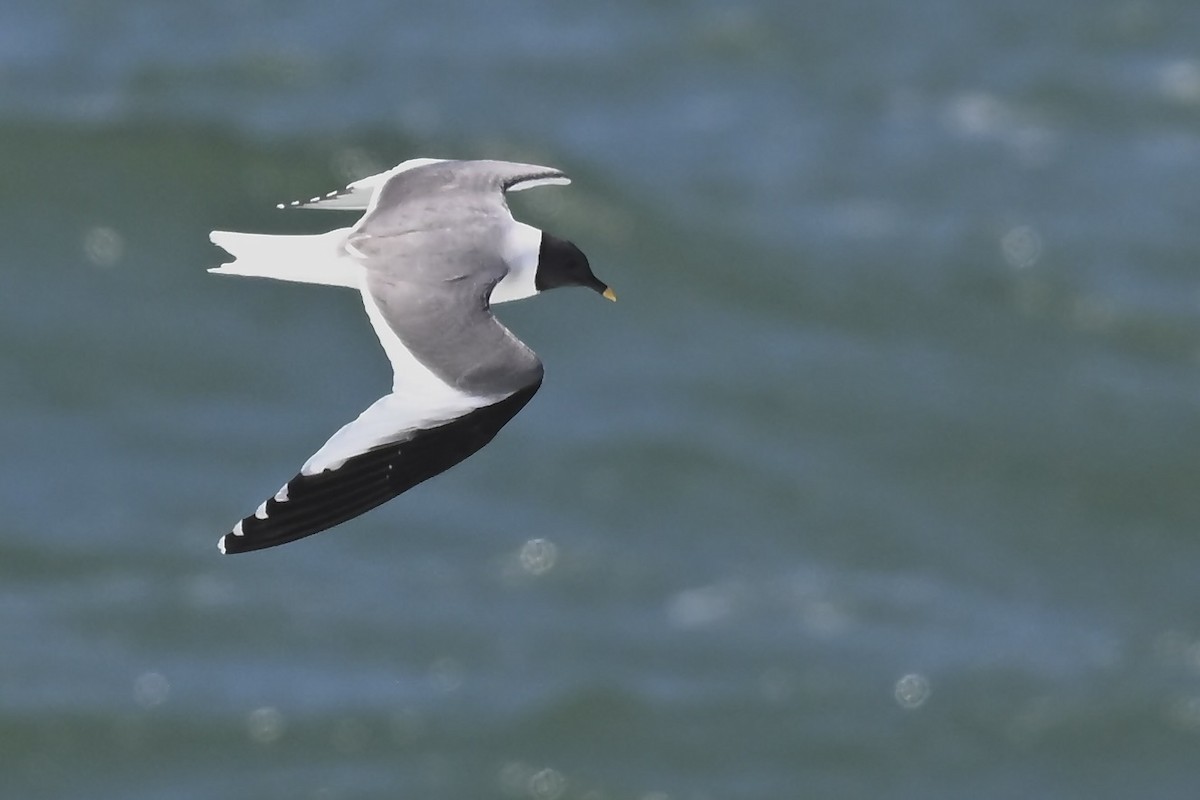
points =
(520, 253)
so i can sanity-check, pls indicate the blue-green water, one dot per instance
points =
(879, 481)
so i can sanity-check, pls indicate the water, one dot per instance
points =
(879, 480)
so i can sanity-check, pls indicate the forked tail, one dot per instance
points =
(315, 258)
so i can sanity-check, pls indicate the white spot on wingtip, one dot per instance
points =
(237, 530)
(261, 511)
(282, 495)
(221, 544)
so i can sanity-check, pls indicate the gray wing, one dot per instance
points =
(448, 191)
(431, 243)
(357, 195)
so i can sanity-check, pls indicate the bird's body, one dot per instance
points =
(434, 249)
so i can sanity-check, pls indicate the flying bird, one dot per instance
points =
(435, 248)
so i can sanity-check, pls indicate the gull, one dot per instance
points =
(435, 248)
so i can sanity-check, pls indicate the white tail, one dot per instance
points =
(303, 259)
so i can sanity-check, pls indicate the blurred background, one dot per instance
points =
(879, 480)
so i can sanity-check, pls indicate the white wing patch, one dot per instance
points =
(521, 186)
(419, 400)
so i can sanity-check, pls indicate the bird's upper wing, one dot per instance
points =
(430, 247)
(422, 428)
(357, 195)
(376, 463)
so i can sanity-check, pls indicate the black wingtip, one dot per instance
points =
(233, 542)
(310, 504)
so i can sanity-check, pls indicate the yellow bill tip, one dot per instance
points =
(609, 294)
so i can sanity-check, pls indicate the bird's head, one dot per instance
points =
(561, 263)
